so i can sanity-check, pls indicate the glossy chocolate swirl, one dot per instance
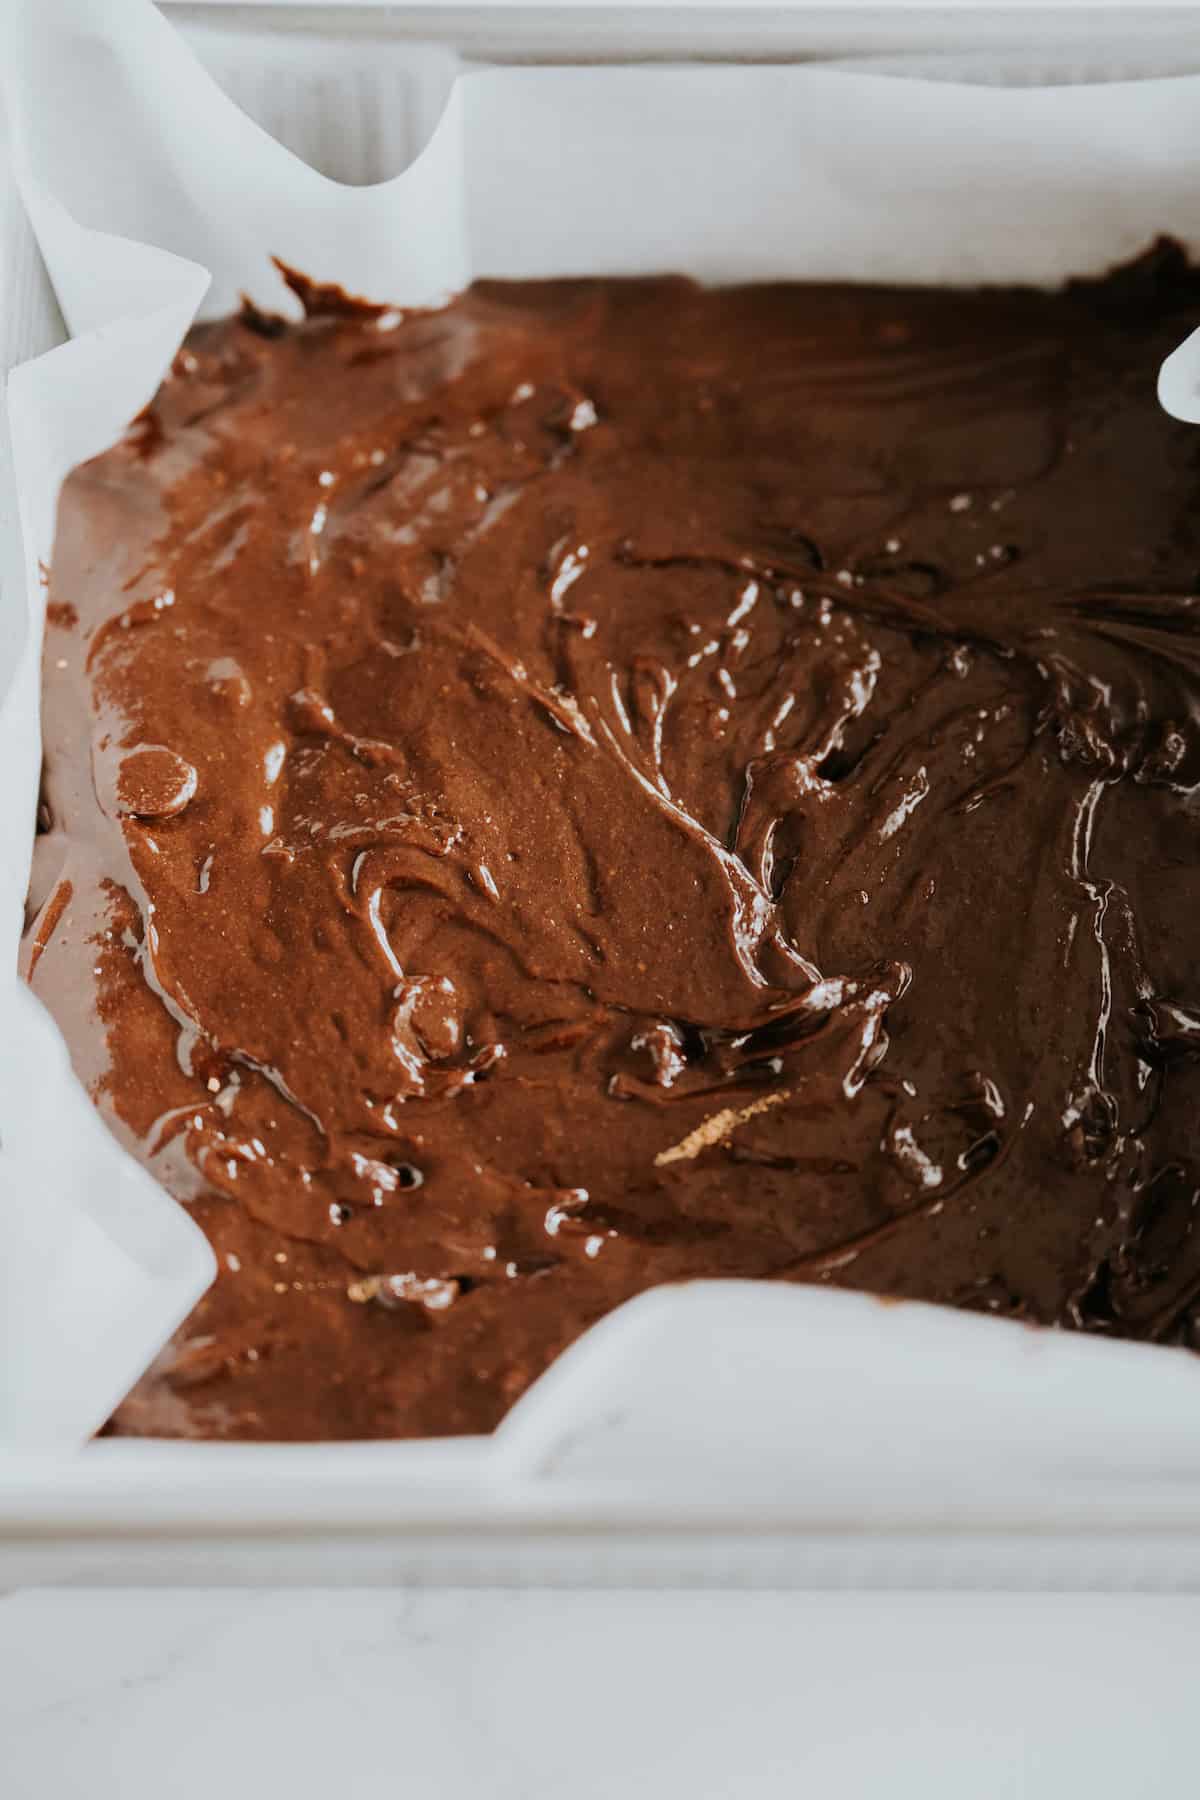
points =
(613, 782)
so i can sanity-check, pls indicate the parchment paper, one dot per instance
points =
(153, 196)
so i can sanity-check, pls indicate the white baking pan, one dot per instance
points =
(727, 1433)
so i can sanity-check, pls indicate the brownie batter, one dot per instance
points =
(613, 782)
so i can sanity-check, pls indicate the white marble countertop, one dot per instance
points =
(578, 1696)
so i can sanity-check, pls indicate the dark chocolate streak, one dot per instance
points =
(612, 782)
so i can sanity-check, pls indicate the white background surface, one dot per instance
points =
(572, 1696)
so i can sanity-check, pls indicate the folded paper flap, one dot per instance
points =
(403, 238)
(97, 1264)
(778, 1389)
(88, 1291)
(1179, 381)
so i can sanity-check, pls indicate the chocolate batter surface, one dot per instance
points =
(613, 782)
